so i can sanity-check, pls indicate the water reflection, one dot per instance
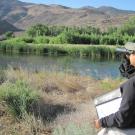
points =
(83, 66)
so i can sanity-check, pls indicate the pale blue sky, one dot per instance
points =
(121, 4)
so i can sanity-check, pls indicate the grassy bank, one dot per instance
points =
(63, 40)
(92, 51)
(49, 103)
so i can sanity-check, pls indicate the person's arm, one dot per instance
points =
(124, 116)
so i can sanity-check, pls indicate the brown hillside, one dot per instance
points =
(23, 15)
(5, 26)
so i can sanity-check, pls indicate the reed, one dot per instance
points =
(92, 51)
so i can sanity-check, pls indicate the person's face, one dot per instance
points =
(132, 59)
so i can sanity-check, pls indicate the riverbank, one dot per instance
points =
(75, 41)
(49, 103)
(92, 51)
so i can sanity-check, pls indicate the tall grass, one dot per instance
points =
(2, 76)
(18, 96)
(92, 51)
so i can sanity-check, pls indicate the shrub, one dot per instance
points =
(63, 38)
(38, 30)
(41, 39)
(28, 40)
(9, 34)
(13, 41)
(18, 96)
(2, 76)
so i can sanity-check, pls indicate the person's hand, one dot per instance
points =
(97, 124)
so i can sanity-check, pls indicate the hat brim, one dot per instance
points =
(130, 46)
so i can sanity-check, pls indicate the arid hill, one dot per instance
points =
(5, 26)
(23, 15)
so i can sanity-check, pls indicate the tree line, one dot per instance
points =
(41, 33)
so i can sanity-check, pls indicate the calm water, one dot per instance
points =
(82, 66)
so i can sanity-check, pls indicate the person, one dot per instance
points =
(124, 118)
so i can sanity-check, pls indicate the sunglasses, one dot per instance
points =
(127, 54)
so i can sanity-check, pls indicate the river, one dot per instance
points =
(83, 66)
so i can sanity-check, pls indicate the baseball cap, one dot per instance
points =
(130, 46)
(127, 48)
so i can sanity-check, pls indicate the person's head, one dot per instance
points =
(131, 49)
(127, 68)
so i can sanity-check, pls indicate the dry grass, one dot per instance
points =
(58, 87)
(65, 98)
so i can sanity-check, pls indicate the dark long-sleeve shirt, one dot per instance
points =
(125, 116)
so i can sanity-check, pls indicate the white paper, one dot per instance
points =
(108, 107)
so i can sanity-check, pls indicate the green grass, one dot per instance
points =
(18, 96)
(73, 129)
(92, 51)
(109, 84)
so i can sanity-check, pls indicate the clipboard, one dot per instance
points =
(108, 103)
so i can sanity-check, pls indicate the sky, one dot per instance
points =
(120, 4)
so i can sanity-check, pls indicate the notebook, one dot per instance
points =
(108, 103)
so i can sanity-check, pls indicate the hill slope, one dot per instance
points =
(23, 15)
(5, 26)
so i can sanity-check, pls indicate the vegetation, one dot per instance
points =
(106, 85)
(73, 50)
(84, 35)
(18, 96)
(48, 103)
(72, 129)
(79, 41)
(9, 34)
(56, 103)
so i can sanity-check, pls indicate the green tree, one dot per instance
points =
(128, 28)
(9, 34)
(38, 30)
